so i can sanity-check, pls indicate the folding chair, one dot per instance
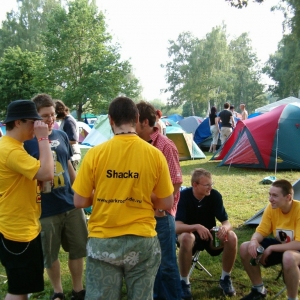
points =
(196, 264)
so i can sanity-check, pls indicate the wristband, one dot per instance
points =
(43, 139)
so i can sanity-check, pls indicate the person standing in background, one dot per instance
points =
(69, 126)
(160, 124)
(20, 200)
(167, 281)
(244, 113)
(227, 123)
(62, 223)
(234, 113)
(214, 129)
(124, 179)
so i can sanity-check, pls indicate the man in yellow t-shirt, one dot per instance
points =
(20, 200)
(124, 179)
(282, 219)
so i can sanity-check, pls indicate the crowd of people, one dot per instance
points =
(223, 123)
(139, 210)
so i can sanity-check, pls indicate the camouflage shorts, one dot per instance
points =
(134, 258)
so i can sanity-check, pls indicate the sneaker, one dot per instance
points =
(186, 292)
(255, 295)
(78, 295)
(226, 286)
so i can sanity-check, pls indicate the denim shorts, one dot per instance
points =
(68, 230)
(23, 263)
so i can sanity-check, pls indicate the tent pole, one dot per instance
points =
(276, 151)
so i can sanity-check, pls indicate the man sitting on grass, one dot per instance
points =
(198, 208)
(282, 218)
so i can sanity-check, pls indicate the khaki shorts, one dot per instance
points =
(67, 230)
(225, 133)
(134, 258)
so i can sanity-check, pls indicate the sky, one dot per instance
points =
(144, 27)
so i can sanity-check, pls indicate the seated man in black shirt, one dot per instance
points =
(198, 208)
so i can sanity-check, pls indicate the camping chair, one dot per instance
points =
(196, 264)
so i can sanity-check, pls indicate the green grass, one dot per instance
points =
(243, 196)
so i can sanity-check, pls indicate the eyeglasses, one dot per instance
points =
(25, 120)
(52, 116)
(206, 185)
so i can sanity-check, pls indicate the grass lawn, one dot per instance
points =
(243, 196)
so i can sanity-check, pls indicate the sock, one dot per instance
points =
(185, 279)
(224, 274)
(259, 287)
(292, 298)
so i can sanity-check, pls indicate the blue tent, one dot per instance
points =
(202, 135)
(175, 117)
(3, 128)
(202, 132)
(253, 115)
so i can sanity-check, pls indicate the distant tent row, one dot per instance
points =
(84, 130)
(184, 142)
(190, 124)
(271, 106)
(269, 141)
(187, 148)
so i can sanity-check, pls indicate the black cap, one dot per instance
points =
(21, 109)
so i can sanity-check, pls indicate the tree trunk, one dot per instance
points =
(79, 111)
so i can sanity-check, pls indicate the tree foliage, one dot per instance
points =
(284, 67)
(19, 75)
(241, 3)
(246, 72)
(78, 62)
(81, 62)
(23, 27)
(211, 71)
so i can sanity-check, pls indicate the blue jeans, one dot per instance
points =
(167, 282)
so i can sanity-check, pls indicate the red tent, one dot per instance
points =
(251, 144)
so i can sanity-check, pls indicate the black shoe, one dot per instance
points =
(78, 295)
(186, 292)
(227, 287)
(255, 295)
(60, 296)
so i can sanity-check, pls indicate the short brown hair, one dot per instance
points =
(43, 100)
(199, 172)
(123, 110)
(286, 187)
(147, 111)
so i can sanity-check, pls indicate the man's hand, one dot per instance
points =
(252, 248)
(40, 129)
(267, 252)
(204, 233)
(222, 234)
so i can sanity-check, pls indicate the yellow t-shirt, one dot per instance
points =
(285, 227)
(20, 203)
(123, 172)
